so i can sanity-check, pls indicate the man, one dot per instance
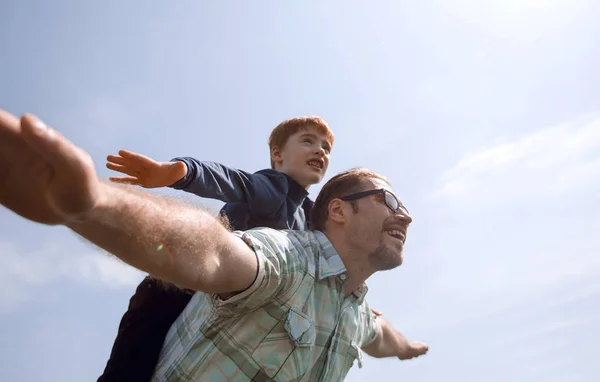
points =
(272, 305)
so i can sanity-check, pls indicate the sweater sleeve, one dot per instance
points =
(263, 191)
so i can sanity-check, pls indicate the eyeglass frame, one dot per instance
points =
(383, 191)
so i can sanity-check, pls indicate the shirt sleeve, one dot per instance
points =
(370, 328)
(263, 191)
(280, 269)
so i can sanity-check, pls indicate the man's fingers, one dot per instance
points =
(52, 146)
(9, 147)
(420, 348)
(122, 169)
(125, 180)
(8, 122)
(11, 141)
(415, 349)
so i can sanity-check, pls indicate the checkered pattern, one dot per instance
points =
(293, 324)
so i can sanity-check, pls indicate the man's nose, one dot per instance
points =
(403, 216)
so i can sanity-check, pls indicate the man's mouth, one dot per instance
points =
(396, 234)
(316, 164)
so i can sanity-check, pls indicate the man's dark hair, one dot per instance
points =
(345, 183)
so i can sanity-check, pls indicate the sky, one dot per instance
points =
(485, 116)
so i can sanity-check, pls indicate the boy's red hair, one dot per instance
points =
(282, 132)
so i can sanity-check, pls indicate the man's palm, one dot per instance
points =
(43, 176)
(143, 171)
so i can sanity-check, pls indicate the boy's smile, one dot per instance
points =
(317, 163)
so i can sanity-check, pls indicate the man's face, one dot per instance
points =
(378, 230)
(305, 157)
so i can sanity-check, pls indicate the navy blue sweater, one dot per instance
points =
(267, 198)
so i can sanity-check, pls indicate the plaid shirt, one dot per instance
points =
(293, 324)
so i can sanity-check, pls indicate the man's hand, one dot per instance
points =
(413, 349)
(47, 179)
(391, 343)
(144, 171)
(43, 176)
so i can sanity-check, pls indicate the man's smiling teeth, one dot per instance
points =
(395, 233)
(316, 164)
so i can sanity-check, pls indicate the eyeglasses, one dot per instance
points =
(391, 201)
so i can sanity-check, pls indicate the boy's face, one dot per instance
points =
(305, 157)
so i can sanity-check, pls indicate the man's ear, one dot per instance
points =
(337, 211)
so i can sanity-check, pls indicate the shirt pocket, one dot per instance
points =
(300, 328)
(285, 353)
(354, 353)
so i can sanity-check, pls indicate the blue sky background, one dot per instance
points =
(485, 115)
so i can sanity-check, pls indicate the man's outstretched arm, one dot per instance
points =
(169, 239)
(47, 179)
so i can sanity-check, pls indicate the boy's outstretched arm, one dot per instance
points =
(203, 178)
(391, 343)
(217, 181)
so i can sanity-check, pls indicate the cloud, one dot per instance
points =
(513, 219)
(23, 274)
(547, 163)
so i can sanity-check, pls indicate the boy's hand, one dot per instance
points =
(144, 171)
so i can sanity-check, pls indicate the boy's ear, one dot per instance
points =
(275, 154)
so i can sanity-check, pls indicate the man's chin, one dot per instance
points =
(387, 258)
(398, 256)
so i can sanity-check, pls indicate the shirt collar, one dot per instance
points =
(331, 264)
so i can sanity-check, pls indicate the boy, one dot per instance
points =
(276, 198)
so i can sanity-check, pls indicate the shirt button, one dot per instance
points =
(343, 277)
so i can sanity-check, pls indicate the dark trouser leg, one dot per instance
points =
(152, 311)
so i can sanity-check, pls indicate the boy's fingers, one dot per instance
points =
(122, 169)
(135, 156)
(116, 159)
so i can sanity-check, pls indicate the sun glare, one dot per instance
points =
(520, 20)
